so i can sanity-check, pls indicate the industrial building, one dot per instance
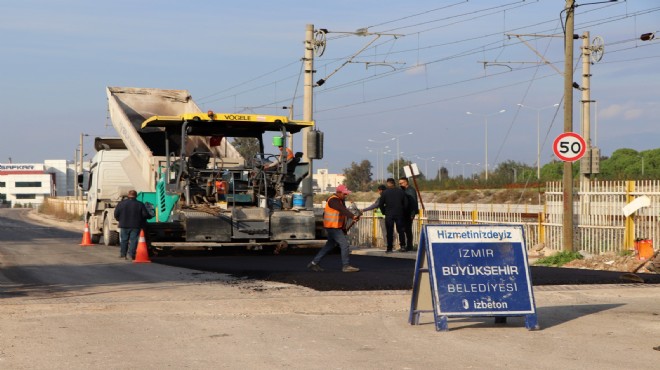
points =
(28, 184)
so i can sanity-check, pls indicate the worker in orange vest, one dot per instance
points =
(285, 153)
(334, 222)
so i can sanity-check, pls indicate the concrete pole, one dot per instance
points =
(75, 173)
(538, 144)
(308, 99)
(486, 145)
(290, 137)
(80, 192)
(585, 177)
(567, 181)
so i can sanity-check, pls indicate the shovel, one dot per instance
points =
(631, 276)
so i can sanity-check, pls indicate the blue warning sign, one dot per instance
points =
(476, 270)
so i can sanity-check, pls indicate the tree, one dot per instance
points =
(624, 164)
(508, 172)
(247, 146)
(358, 176)
(391, 168)
(552, 171)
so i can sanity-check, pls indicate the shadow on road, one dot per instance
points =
(556, 315)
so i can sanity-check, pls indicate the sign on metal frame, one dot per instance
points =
(472, 270)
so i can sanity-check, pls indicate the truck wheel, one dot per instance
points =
(96, 238)
(109, 237)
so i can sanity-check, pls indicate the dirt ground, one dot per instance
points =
(609, 262)
(499, 196)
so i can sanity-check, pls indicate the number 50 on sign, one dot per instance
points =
(569, 147)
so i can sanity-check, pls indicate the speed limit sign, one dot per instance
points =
(569, 147)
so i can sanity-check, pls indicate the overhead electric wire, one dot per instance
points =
(391, 52)
(417, 14)
(248, 81)
(359, 81)
(472, 79)
(453, 16)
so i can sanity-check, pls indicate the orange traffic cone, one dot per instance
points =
(87, 238)
(142, 253)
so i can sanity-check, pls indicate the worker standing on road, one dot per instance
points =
(393, 202)
(411, 212)
(334, 222)
(132, 216)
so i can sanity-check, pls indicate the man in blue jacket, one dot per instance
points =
(132, 216)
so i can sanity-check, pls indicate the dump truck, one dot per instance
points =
(201, 191)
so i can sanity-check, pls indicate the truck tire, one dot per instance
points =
(109, 237)
(96, 238)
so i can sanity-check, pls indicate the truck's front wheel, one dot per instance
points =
(109, 237)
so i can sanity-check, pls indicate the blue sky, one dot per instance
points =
(57, 57)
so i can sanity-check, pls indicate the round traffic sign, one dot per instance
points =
(569, 146)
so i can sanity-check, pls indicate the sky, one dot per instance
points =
(420, 68)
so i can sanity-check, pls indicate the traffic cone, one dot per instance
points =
(87, 238)
(142, 253)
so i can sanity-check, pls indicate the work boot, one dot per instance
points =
(314, 267)
(349, 268)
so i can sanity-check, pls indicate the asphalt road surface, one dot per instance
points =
(63, 306)
(377, 273)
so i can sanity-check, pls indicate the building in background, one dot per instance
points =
(327, 182)
(28, 184)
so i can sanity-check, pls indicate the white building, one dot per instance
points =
(327, 182)
(28, 184)
(25, 184)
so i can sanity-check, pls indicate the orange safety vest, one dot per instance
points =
(289, 154)
(331, 217)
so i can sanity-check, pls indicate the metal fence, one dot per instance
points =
(599, 222)
(370, 229)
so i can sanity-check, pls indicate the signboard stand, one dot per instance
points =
(472, 271)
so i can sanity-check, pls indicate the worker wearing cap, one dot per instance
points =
(284, 153)
(334, 222)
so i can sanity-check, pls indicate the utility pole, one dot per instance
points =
(80, 192)
(308, 99)
(75, 173)
(585, 162)
(567, 181)
(592, 52)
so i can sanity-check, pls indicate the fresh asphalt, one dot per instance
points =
(378, 271)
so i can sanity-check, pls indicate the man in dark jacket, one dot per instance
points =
(132, 216)
(411, 212)
(393, 202)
